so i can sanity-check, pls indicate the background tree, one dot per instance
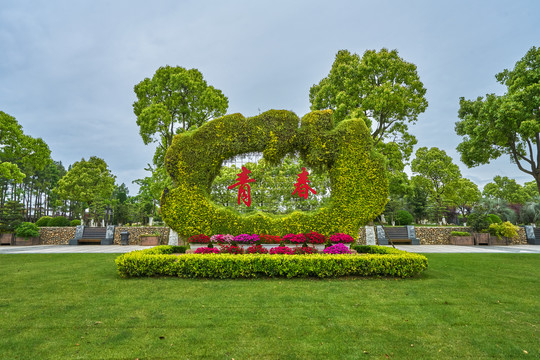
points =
(465, 196)
(172, 101)
(507, 124)
(506, 189)
(438, 174)
(88, 182)
(381, 88)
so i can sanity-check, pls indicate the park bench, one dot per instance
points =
(397, 235)
(91, 236)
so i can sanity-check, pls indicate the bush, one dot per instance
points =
(43, 221)
(27, 229)
(337, 249)
(231, 249)
(257, 249)
(11, 216)
(75, 222)
(281, 250)
(295, 238)
(403, 217)
(199, 239)
(478, 222)
(304, 250)
(375, 249)
(506, 229)
(59, 221)
(207, 250)
(269, 239)
(314, 237)
(151, 263)
(341, 238)
(460, 233)
(494, 219)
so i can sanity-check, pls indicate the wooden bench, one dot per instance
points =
(92, 236)
(396, 235)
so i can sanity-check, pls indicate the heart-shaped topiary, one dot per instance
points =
(359, 187)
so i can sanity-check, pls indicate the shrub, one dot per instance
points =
(59, 221)
(269, 239)
(295, 238)
(403, 217)
(375, 249)
(341, 238)
(43, 221)
(11, 215)
(75, 222)
(282, 250)
(304, 250)
(494, 219)
(506, 229)
(151, 262)
(460, 233)
(27, 229)
(478, 222)
(199, 239)
(231, 249)
(314, 237)
(338, 248)
(257, 249)
(246, 239)
(207, 250)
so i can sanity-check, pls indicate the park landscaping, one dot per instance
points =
(77, 306)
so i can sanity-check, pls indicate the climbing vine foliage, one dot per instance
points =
(359, 188)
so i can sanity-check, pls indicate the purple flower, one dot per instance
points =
(246, 239)
(337, 249)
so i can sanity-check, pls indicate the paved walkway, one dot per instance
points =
(117, 249)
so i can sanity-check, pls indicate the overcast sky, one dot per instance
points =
(67, 68)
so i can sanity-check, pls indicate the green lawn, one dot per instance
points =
(65, 306)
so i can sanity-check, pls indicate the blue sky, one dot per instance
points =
(67, 68)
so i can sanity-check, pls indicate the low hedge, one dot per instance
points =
(460, 233)
(157, 261)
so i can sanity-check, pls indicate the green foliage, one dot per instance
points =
(43, 221)
(460, 233)
(465, 195)
(59, 221)
(173, 101)
(381, 88)
(375, 249)
(403, 217)
(494, 219)
(11, 215)
(506, 124)
(359, 186)
(75, 222)
(225, 266)
(506, 189)
(506, 229)
(27, 229)
(478, 222)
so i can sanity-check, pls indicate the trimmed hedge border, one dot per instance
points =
(379, 261)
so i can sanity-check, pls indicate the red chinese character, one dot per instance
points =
(244, 192)
(301, 186)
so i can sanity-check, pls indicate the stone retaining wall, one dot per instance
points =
(62, 235)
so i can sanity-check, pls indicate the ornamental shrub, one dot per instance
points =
(43, 221)
(506, 229)
(27, 229)
(338, 248)
(75, 222)
(294, 238)
(256, 249)
(304, 250)
(269, 239)
(478, 222)
(222, 239)
(403, 217)
(314, 237)
(207, 250)
(494, 219)
(281, 250)
(357, 174)
(341, 238)
(59, 221)
(246, 239)
(199, 239)
(231, 249)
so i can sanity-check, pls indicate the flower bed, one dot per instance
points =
(158, 262)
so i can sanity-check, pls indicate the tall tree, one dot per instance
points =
(88, 182)
(506, 124)
(172, 101)
(440, 174)
(381, 88)
(507, 189)
(465, 196)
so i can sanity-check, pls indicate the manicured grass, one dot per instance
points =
(74, 306)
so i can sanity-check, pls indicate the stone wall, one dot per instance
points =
(56, 235)
(440, 235)
(62, 235)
